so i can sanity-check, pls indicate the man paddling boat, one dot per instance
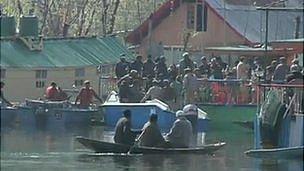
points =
(151, 135)
(180, 134)
(123, 132)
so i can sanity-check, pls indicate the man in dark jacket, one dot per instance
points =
(123, 132)
(122, 67)
(148, 68)
(137, 65)
(151, 135)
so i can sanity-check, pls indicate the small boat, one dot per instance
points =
(55, 115)
(113, 110)
(102, 146)
(205, 149)
(277, 153)
(109, 147)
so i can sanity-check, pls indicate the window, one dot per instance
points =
(3, 73)
(40, 84)
(41, 74)
(79, 72)
(78, 83)
(201, 17)
(79, 75)
(190, 17)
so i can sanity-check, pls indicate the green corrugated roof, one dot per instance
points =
(69, 52)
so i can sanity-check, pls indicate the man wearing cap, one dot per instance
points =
(191, 113)
(52, 92)
(270, 70)
(190, 86)
(281, 71)
(85, 96)
(160, 68)
(186, 62)
(154, 92)
(151, 135)
(123, 132)
(167, 93)
(180, 134)
(122, 67)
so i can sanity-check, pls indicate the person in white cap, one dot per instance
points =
(180, 134)
(191, 113)
(186, 62)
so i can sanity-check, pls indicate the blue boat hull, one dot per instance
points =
(55, 120)
(140, 115)
(278, 153)
(8, 117)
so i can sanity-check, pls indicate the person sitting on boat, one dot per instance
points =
(191, 113)
(86, 95)
(154, 92)
(151, 135)
(123, 132)
(180, 135)
(51, 92)
(3, 99)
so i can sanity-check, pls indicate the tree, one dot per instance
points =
(82, 17)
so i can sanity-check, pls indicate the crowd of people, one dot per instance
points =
(211, 81)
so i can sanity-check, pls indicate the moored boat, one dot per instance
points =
(55, 116)
(278, 126)
(113, 110)
(8, 117)
(109, 147)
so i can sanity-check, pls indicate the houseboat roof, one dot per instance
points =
(63, 52)
(249, 51)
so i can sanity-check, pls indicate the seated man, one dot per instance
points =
(151, 135)
(180, 135)
(123, 132)
(51, 92)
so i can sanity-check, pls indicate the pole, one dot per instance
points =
(266, 33)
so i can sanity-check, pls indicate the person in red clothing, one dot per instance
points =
(52, 92)
(85, 96)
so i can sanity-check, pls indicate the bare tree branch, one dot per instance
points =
(113, 17)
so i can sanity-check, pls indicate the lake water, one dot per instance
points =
(49, 151)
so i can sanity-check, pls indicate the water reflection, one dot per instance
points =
(50, 150)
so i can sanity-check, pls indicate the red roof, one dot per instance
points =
(156, 18)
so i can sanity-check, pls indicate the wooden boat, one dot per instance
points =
(206, 149)
(108, 147)
(55, 116)
(102, 146)
(277, 153)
